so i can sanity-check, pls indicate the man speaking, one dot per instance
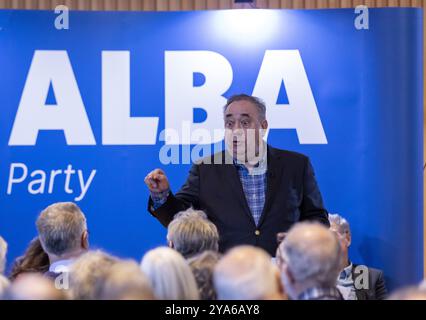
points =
(250, 191)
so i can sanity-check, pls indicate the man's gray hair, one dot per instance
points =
(340, 222)
(192, 233)
(312, 254)
(88, 272)
(246, 273)
(125, 280)
(254, 100)
(60, 227)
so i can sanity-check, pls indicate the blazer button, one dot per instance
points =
(257, 232)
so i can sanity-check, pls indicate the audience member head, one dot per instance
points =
(126, 281)
(409, 293)
(33, 286)
(191, 233)
(341, 228)
(4, 284)
(62, 231)
(3, 252)
(170, 276)
(247, 273)
(309, 257)
(202, 266)
(87, 274)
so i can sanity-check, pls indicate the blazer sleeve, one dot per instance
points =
(187, 196)
(312, 207)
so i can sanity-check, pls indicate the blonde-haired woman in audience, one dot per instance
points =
(170, 276)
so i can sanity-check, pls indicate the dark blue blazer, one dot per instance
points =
(292, 195)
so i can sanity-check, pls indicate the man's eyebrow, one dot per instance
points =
(241, 115)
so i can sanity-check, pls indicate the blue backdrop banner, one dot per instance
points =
(93, 101)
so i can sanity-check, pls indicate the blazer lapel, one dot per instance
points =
(273, 179)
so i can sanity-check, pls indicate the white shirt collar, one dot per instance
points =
(61, 266)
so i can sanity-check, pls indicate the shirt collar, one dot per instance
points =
(346, 272)
(61, 266)
(260, 168)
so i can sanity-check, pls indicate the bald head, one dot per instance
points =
(246, 273)
(33, 286)
(312, 254)
(409, 293)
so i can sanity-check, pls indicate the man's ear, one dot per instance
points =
(264, 124)
(263, 128)
(288, 273)
(349, 238)
(85, 240)
(170, 244)
(42, 245)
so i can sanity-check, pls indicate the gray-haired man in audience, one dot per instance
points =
(247, 273)
(191, 233)
(309, 260)
(62, 230)
(356, 282)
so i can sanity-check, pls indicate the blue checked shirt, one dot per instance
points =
(254, 186)
(253, 182)
(346, 284)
